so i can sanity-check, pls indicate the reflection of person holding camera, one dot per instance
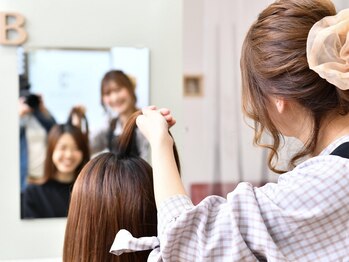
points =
(35, 123)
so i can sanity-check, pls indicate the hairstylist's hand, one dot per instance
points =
(23, 107)
(42, 106)
(77, 113)
(165, 113)
(154, 125)
(169, 118)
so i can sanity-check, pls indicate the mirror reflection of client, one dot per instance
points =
(119, 99)
(67, 152)
(35, 123)
(112, 192)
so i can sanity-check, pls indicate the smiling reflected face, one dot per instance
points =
(117, 98)
(66, 156)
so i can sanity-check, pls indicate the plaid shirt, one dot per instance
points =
(304, 217)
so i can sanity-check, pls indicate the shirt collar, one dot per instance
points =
(329, 149)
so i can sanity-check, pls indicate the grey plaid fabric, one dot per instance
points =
(303, 217)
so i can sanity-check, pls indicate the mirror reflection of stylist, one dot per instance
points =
(35, 123)
(119, 101)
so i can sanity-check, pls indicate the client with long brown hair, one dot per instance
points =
(112, 192)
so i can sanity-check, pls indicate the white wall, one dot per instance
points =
(155, 24)
(220, 142)
(341, 4)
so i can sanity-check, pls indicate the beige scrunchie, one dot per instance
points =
(328, 49)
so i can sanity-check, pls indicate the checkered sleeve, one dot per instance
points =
(304, 217)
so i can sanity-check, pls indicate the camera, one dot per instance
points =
(31, 100)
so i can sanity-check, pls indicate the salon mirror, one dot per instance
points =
(63, 86)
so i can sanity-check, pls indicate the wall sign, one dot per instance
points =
(11, 29)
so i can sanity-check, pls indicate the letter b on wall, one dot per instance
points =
(11, 29)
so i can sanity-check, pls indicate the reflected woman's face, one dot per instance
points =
(66, 155)
(117, 98)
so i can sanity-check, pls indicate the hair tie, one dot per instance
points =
(328, 49)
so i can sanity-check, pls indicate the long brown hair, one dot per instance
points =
(54, 135)
(274, 63)
(112, 192)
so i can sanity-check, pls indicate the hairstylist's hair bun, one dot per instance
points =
(127, 139)
(328, 49)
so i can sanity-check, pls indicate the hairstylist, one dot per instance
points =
(119, 99)
(295, 78)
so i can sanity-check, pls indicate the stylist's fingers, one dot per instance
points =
(153, 125)
(170, 120)
(147, 110)
(152, 107)
(150, 116)
(165, 111)
(171, 123)
(168, 116)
